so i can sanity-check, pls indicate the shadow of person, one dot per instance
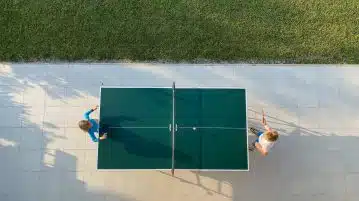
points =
(138, 147)
(148, 143)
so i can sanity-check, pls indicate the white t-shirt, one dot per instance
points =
(266, 145)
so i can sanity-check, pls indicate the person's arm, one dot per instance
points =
(93, 136)
(265, 125)
(87, 114)
(260, 149)
(269, 129)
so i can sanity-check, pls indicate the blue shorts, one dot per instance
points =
(259, 134)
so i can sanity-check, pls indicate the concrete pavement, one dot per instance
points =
(44, 156)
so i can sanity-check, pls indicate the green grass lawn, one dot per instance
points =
(261, 31)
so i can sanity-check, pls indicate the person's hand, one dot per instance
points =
(95, 108)
(103, 137)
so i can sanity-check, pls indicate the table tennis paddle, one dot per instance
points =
(263, 117)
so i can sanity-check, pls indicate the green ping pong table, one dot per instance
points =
(173, 128)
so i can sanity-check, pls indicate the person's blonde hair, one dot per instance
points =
(84, 125)
(271, 136)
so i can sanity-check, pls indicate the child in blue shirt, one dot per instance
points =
(91, 126)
